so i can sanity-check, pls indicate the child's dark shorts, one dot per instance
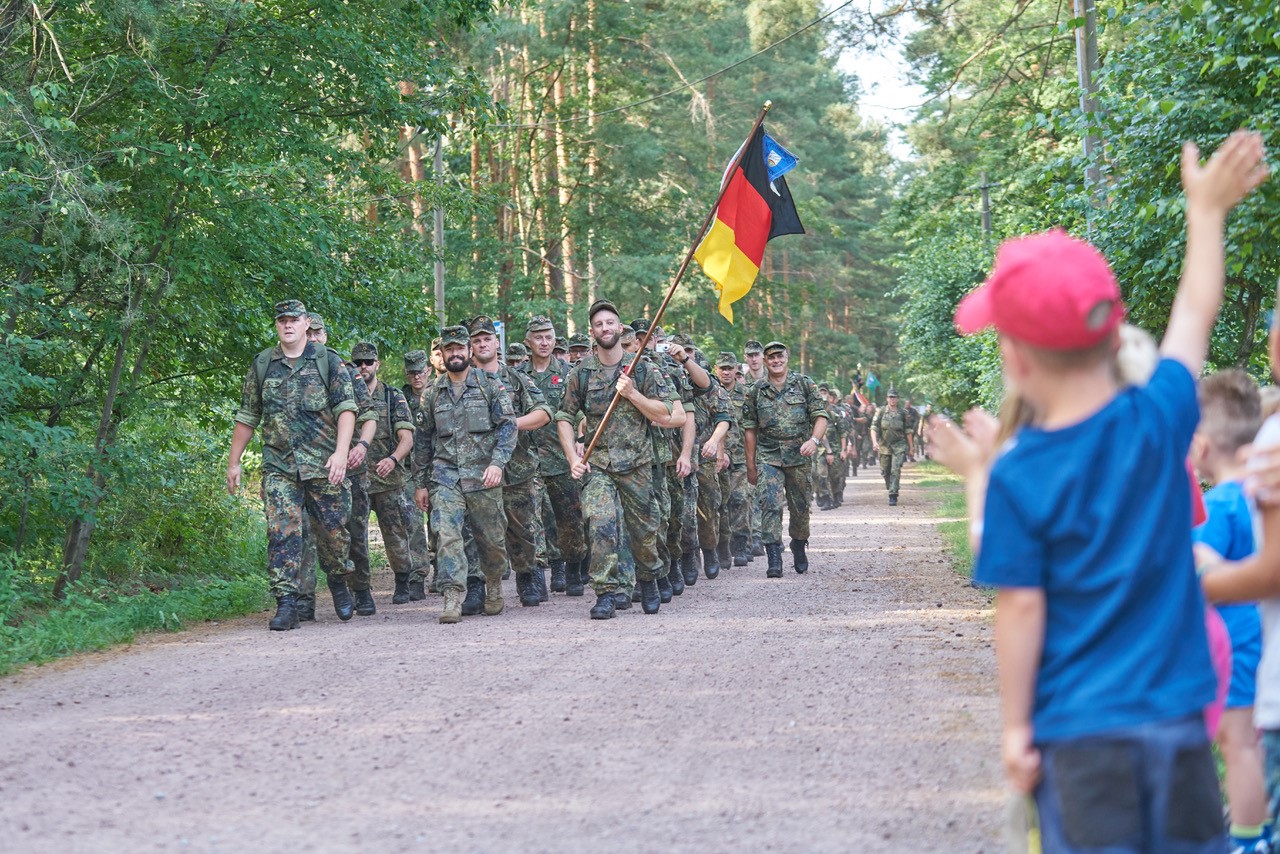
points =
(1151, 788)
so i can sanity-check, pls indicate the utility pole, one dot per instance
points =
(1086, 69)
(437, 237)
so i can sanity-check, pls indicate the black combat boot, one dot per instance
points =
(676, 578)
(473, 603)
(525, 590)
(603, 609)
(401, 594)
(342, 604)
(689, 567)
(306, 608)
(774, 551)
(800, 560)
(286, 614)
(741, 553)
(417, 591)
(635, 594)
(621, 600)
(722, 551)
(540, 583)
(558, 580)
(575, 578)
(365, 606)
(757, 547)
(710, 563)
(664, 589)
(893, 499)
(650, 598)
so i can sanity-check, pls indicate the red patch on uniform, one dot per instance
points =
(555, 380)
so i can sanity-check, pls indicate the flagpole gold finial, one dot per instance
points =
(767, 105)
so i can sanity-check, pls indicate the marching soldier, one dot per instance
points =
(415, 371)
(889, 437)
(735, 493)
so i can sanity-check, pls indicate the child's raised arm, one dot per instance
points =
(1212, 190)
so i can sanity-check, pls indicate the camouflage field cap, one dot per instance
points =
(579, 340)
(315, 322)
(562, 344)
(539, 323)
(415, 361)
(752, 346)
(517, 351)
(599, 306)
(482, 324)
(435, 344)
(893, 392)
(641, 325)
(455, 335)
(726, 360)
(823, 387)
(684, 340)
(364, 350)
(774, 346)
(290, 308)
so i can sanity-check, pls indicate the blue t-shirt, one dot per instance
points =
(1098, 516)
(1229, 532)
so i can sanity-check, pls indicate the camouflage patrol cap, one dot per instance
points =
(364, 350)
(641, 325)
(726, 360)
(481, 324)
(315, 322)
(752, 346)
(774, 346)
(627, 334)
(893, 392)
(435, 344)
(517, 351)
(683, 339)
(454, 335)
(824, 387)
(415, 361)
(599, 306)
(539, 323)
(562, 344)
(290, 308)
(577, 340)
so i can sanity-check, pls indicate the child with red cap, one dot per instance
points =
(1103, 661)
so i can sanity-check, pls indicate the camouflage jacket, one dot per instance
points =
(625, 444)
(546, 442)
(783, 418)
(411, 398)
(459, 436)
(710, 409)
(890, 425)
(733, 442)
(297, 412)
(526, 397)
(393, 416)
(664, 438)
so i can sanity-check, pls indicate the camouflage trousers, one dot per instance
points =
(295, 508)
(614, 502)
(451, 509)
(393, 520)
(565, 496)
(419, 550)
(822, 478)
(735, 503)
(520, 501)
(892, 456)
(675, 514)
(838, 471)
(544, 526)
(689, 514)
(662, 511)
(358, 528)
(708, 504)
(795, 485)
(757, 506)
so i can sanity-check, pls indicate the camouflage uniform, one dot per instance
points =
(783, 420)
(298, 414)
(821, 468)
(735, 492)
(710, 410)
(458, 436)
(419, 545)
(619, 489)
(890, 426)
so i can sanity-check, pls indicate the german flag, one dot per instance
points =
(753, 211)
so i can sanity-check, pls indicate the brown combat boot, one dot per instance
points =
(493, 602)
(452, 612)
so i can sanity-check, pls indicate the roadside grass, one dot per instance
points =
(954, 531)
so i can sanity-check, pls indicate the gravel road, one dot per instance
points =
(850, 709)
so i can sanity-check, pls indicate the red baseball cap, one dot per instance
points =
(1049, 290)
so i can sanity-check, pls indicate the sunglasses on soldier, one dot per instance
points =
(363, 363)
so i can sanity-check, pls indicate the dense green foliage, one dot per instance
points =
(1007, 105)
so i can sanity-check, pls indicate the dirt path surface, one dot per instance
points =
(851, 709)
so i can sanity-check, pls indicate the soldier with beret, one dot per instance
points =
(388, 472)
(519, 499)
(784, 420)
(619, 492)
(735, 492)
(307, 414)
(466, 434)
(416, 367)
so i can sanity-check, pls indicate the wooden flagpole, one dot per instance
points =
(657, 318)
